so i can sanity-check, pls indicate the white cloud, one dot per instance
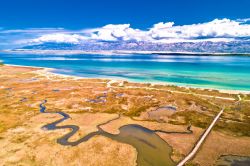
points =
(223, 28)
(33, 31)
(217, 30)
(243, 20)
(113, 32)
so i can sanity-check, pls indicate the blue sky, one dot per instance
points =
(28, 22)
(79, 14)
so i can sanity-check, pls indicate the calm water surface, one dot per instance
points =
(220, 72)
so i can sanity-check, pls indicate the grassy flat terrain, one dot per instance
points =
(90, 102)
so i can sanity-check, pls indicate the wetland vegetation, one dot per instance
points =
(22, 90)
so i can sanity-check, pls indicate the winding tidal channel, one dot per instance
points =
(152, 149)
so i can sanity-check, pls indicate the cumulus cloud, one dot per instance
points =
(223, 28)
(113, 32)
(216, 30)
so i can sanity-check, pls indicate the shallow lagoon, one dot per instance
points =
(220, 72)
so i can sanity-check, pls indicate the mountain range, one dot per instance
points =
(202, 47)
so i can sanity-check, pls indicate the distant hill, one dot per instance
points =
(205, 46)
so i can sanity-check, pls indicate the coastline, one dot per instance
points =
(85, 99)
(119, 52)
(48, 72)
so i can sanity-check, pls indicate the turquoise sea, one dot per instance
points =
(219, 72)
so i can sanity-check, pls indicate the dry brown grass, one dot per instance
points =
(22, 140)
(29, 145)
(218, 144)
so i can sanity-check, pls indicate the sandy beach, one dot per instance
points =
(48, 72)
